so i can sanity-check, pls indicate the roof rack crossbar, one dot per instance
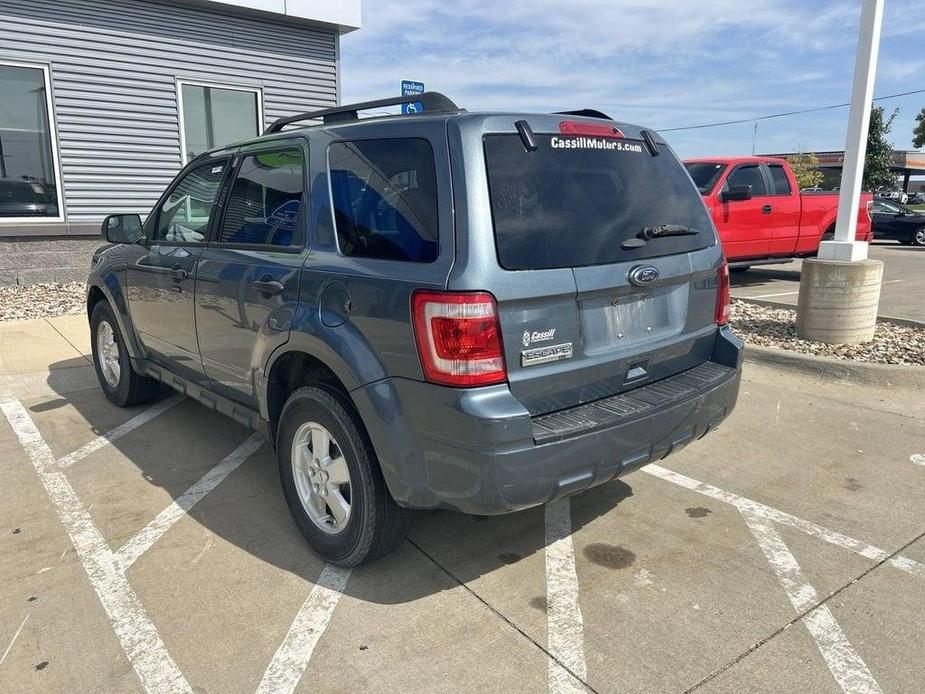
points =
(432, 102)
(586, 113)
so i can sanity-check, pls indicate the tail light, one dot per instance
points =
(721, 315)
(458, 336)
(571, 127)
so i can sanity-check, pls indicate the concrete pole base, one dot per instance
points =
(839, 300)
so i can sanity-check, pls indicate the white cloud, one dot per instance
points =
(661, 63)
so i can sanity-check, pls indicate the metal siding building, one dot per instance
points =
(115, 69)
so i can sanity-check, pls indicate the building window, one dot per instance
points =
(29, 176)
(215, 115)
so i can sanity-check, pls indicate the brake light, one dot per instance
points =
(721, 315)
(458, 337)
(571, 127)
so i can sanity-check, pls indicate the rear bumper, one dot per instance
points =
(479, 451)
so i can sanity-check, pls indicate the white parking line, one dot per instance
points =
(292, 656)
(152, 532)
(769, 296)
(15, 636)
(120, 431)
(564, 624)
(759, 510)
(846, 666)
(136, 633)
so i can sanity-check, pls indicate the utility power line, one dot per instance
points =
(782, 115)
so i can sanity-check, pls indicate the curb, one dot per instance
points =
(837, 370)
(906, 322)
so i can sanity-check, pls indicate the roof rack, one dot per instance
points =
(586, 113)
(432, 102)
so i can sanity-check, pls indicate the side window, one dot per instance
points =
(781, 182)
(184, 216)
(747, 176)
(266, 201)
(385, 198)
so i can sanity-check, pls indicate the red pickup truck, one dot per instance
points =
(761, 215)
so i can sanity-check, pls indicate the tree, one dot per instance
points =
(877, 172)
(806, 169)
(918, 132)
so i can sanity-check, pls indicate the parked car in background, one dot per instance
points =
(917, 198)
(480, 312)
(898, 195)
(761, 215)
(894, 221)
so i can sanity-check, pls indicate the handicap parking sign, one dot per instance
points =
(412, 88)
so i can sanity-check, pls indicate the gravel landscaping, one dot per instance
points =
(42, 300)
(775, 327)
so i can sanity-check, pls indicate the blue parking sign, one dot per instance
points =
(412, 88)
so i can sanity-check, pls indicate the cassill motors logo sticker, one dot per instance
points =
(595, 143)
(538, 336)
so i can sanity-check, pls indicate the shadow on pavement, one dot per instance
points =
(248, 509)
(760, 275)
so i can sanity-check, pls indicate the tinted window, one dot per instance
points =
(570, 203)
(185, 214)
(705, 175)
(385, 199)
(266, 201)
(888, 207)
(27, 169)
(781, 182)
(747, 176)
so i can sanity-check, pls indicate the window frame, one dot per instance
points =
(181, 81)
(150, 225)
(213, 240)
(53, 137)
(761, 172)
(333, 212)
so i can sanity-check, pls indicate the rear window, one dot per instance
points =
(575, 200)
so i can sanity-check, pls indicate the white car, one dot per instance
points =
(899, 196)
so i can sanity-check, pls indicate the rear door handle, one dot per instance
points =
(179, 274)
(766, 209)
(268, 287)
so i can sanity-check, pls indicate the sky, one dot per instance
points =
(661, 64)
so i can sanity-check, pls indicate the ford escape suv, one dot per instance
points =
(479, 312)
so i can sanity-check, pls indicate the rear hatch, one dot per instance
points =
(598, 295)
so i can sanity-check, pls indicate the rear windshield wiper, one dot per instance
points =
(667, 230)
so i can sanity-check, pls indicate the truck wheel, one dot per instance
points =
(332, 481)
(918, 237)
(119, 381)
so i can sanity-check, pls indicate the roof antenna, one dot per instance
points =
(526, 135)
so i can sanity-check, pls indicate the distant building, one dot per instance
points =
(103, 101)
(906, 163)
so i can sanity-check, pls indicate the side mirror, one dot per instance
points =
(122, 228)
(743, 192)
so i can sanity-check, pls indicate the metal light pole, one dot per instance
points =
(844, 246)
(840, 288)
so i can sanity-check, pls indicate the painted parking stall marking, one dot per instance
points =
(137, 635)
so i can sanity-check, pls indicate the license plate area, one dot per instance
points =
(621, 320)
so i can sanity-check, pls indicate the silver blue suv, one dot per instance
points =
(479, 312)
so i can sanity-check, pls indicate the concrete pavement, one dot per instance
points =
(783, 552)
(901, 295)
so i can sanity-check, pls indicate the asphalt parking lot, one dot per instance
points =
(151, 550)
(900, 296)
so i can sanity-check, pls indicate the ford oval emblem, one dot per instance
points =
(643, 275)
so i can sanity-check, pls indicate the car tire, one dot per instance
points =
(118, 380)
(917, 238)
(326, 459)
